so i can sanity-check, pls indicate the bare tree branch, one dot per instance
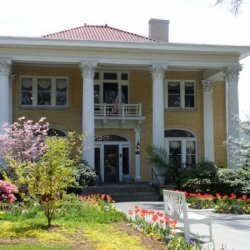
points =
(234, 5)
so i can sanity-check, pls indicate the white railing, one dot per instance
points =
(118, 110)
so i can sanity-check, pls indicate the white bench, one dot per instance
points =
(176, 208)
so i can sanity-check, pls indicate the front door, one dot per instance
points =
(111, 163)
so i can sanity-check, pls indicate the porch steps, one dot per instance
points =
(125, 192)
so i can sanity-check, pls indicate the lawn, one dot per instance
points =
(77, 225)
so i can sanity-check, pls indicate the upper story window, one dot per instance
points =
(111, 87)
(180, 94)
(44, 91)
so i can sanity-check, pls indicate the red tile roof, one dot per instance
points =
(99, 33)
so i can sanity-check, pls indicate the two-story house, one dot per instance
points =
(126, 92)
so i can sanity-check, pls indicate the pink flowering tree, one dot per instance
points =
(44, 166)
(23, 140)
(7, 192)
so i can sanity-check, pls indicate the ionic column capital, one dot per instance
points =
(88, 69)
(207, 85)
(232, 72)
(158, 71)
(5, 66)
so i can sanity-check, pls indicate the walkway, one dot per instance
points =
(233, 231)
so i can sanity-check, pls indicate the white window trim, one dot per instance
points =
(53, 91)
(119, 81)
(182, 94)
(183, 144)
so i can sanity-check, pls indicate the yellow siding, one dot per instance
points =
(70, 119)
(219, 109)
(190, 120)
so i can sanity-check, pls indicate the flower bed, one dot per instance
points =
(157, 225)
(221, 204)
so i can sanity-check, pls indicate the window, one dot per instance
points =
(181, 147)
(180, 94)
(111, 85)
(56, 132)
(44, 91)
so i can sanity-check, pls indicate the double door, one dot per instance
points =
(112, 162)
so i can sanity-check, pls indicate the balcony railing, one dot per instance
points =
(104, 110)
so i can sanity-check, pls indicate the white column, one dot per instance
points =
(232, 100)
(137, 154)
(5, 67)
(208, 120)
(88, 119)
(158, 71)
(11, 79)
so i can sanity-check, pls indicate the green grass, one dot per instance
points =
(74, 224)
(31, 247)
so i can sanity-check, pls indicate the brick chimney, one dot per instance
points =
(159, 29)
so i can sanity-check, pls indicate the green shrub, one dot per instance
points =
(205, 177)
(85, 176)
(233, 181)
(199, 178)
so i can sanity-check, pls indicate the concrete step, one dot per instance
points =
(125, 192)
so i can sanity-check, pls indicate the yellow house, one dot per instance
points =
(126, 92)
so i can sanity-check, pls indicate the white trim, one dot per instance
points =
(182, 94)
(119, 82)
(35, 91)
(243, 51)
(121, 145)
(183, 143)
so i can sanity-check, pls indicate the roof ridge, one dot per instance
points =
(98, 26)
(130, 33)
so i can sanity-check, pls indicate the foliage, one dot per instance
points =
(89, 219)
(154, 224)
(23, 140)
(178, 243)
(234, 5)
(221, 204)
(32, 247)
(159, 157)
(92, 208)
(199, 178)
(240, 148)
(233, 181)
(159, 226)
(48, 177)
(84, 175)
(7, 191)
(205, 177)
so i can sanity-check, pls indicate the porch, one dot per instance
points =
(120, 111)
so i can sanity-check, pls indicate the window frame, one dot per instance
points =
(182, 94)
(184, 141)
(53, 80)
(101, 80)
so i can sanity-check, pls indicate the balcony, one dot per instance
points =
(123, 113)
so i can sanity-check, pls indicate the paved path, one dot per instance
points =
(233, 231)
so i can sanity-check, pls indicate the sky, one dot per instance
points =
(191, 21)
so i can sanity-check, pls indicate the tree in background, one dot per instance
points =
(240, 148)
(234, 5)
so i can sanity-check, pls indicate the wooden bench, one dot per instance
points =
(176, 208)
